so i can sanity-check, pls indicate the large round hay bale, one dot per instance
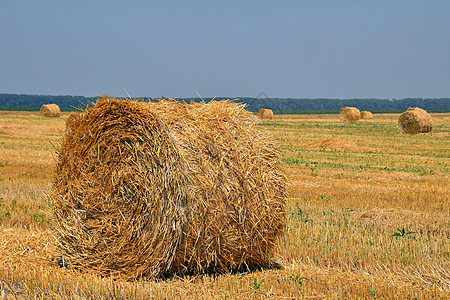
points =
(415, 120)
(349, 114)
(366, 115)
(50, 110)
(265, 114)
(144, 189)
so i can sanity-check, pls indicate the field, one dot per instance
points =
(368, 217)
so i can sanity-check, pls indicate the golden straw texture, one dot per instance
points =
(144, 189)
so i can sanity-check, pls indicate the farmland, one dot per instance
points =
(368, 216)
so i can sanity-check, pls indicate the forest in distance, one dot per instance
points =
(17, 102)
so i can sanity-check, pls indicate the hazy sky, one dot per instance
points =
(316, 48)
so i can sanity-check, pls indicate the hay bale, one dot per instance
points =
(415, 120)
(144, 189)
(349, 114)
(366, 115)
(50, 110)
(265, 114)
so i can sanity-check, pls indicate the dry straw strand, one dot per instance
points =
(143, 189)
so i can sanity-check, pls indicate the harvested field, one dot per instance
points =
(367, 221)
(331, 144)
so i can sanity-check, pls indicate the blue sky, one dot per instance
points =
(318, 48)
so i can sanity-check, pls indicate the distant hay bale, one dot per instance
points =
(145, 189)
(265, 114)
(50, 110)
(415, 120)
(366, 115)
(349, 114)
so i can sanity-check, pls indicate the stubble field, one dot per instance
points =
(368, 216)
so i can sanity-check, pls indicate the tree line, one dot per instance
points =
(278, 105)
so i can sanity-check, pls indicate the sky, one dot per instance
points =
(387, 49)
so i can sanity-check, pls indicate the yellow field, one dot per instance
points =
(368, 216)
